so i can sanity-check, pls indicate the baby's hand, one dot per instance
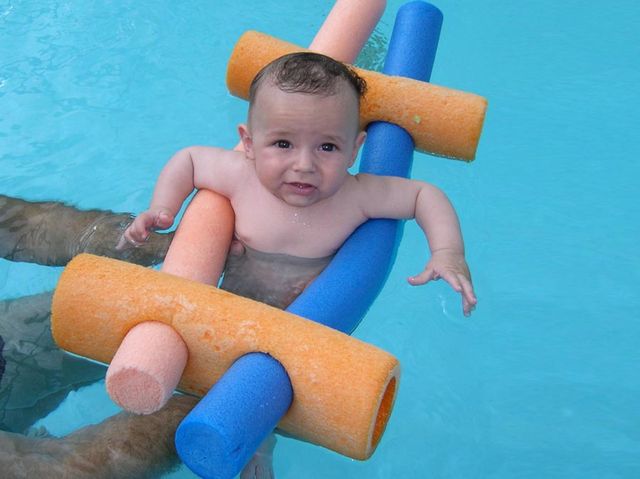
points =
(451, 266)
(143, 225)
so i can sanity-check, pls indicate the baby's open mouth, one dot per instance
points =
(301, 188)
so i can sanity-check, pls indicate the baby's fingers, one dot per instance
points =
(467, 308)
(162, 221)
(462, 285)
(131, 238)
(469, 299)
(122, 243)
(137, 232)
(453, 279)
(127, 240)
(427, 275)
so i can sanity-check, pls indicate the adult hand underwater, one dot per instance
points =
(36, 376)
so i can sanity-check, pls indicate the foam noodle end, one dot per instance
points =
(385, 406)
(146, 368)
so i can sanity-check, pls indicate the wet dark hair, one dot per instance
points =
(307, 72)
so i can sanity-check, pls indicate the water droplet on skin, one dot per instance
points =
(297, 220)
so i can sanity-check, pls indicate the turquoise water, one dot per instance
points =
(542, 381)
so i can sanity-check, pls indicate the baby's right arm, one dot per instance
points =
(192, 167)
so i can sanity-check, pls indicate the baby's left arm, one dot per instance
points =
(399, 198)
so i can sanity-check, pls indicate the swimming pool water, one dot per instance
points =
(542, 380)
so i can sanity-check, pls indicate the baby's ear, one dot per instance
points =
(247, 142)
(359, 141)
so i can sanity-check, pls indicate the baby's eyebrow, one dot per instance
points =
(279, 133)
(333, 139)
(274, 133)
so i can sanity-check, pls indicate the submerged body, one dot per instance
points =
(36, 376)
(271, 278)
(51, 233)
(121, 447)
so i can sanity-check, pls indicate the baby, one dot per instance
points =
(293, 196)
(295, 201)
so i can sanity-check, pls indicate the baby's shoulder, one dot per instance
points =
(237, 171)
(369, 189)
(231, 161)
(212, 152)
(365, 183)
(217, 153)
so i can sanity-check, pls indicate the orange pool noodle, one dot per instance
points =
(343, 388)
(146, 368)
(199, 248)
(441, 121)
(148, 365)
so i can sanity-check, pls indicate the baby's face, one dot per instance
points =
(303, 144)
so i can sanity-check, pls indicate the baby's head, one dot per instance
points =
(315, 77)
(308, 72)
(303, 130)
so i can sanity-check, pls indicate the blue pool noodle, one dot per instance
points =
(343, 293)
(219, 436)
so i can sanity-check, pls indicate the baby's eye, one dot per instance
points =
(283, 144)
(328, 147)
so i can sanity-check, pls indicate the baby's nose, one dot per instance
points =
(304, 162)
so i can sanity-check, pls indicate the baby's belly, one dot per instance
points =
(275, 279)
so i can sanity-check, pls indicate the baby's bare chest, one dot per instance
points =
(314, 231)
